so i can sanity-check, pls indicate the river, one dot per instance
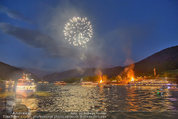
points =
(111, 102)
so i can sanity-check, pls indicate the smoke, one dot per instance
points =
(101, 51)
(49, 36)
(91, 56)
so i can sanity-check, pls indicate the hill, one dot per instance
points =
(7, 71)
(164, 60)
(79, 73)
(10, 72)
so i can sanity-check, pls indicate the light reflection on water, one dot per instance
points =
(74, 98)
(116, 98)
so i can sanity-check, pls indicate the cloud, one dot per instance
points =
(13, 14)
(75, 57)
(49, 37)
(37, 39)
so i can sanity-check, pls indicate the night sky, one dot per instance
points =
(125, 31)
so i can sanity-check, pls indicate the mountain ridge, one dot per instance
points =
(8, 72)
(166, 59)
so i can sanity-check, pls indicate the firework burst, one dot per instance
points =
(78, 31)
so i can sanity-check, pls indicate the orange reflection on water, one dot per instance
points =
(132, 102)
(146, 98)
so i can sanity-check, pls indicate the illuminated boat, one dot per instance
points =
(173, 88)
(60, 83)
(88, 84)
(25, 86)
(9, 84)
(43, 82)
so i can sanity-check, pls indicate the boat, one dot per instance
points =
(9, 84)
(43, 82)
(173, 88)
(88, 84)
(25, 86)
(151, 82)
(60, 83)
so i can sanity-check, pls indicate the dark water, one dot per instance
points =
(113, 102)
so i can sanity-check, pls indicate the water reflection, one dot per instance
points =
(146, 98)
(74, 98)
(30, 103)
(110, 99)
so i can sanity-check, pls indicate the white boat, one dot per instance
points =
(89, 84)
(25, 86)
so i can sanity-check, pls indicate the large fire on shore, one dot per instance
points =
(130, 72)
(127, 75)
(123, 78)
(101, 78)
(132, 79)
(101, 81)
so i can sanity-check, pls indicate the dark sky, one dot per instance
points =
(31, 32)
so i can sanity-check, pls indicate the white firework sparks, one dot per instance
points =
(78, 31)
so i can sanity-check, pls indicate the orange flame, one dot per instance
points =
(101, 78)
(130, 72)
(101, 81)
(132, 79)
